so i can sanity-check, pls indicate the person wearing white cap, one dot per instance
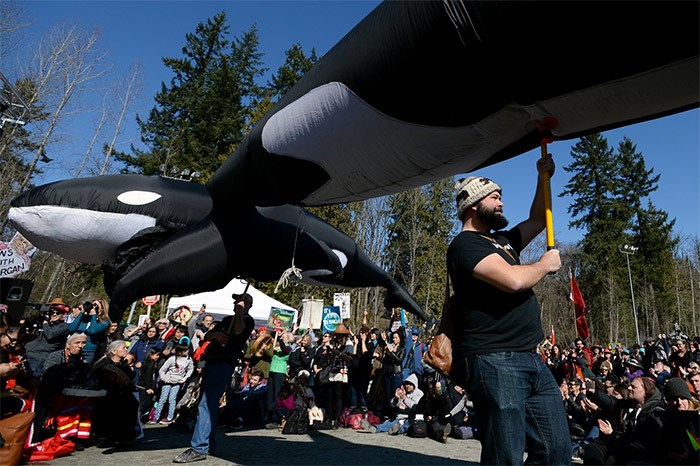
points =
(497, 327)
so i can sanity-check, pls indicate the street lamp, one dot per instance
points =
(627, 250)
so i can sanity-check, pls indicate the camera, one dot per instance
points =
(87, 306)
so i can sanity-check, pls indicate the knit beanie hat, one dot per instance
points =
(471, 190)
(676, 388)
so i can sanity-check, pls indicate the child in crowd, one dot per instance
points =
(148, 382)
(176, 370)
(284, 404)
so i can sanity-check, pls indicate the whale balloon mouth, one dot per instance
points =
(82, 235)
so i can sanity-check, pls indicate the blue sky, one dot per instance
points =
(147, 31)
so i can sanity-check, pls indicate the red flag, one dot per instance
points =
(580, 308)
(554, 341)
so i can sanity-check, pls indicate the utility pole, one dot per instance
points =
(627, 250)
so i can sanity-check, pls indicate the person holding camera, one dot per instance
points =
(93, 322)
(51, 336)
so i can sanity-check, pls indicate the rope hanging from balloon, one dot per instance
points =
(292, 272)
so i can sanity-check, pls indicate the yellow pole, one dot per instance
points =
(546, 125)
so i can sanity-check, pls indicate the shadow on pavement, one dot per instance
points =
(259, 447)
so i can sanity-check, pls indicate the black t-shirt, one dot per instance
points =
(486, 319)
(233, 351)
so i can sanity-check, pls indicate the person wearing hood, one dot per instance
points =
(405, 401)
(635, 435)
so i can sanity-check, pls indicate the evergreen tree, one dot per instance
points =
(651, 231)
(421, 223)
(201, 117)
(596, 209)
(294, 68)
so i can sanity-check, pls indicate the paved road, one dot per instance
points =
(270, 447)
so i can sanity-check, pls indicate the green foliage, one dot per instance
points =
(294, 68)
(610, 191)
(420, 227)
(201, 117)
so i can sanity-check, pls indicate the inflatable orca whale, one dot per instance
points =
(416, 92)
(114, 220)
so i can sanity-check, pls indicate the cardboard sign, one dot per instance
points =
(311, 313)
(15, 256)
(342, 300)
(331, 318)
(281, 319)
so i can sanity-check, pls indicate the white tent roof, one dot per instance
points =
(220, 302)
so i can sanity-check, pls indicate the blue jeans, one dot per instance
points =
(215, 378)
(386, 425)
(517, 402)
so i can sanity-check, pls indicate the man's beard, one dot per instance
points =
(490, 218)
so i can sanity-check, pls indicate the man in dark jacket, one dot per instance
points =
(228, 340)
(52, 337)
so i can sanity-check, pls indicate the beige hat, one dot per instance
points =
(471, 190)
(341, 329)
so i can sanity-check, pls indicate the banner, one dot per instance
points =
(15, 256)
(311, 313)
(579, 309)
(342, 300)
(281, 319)
(331, 318)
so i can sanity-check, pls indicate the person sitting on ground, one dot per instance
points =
(116, 415)
(680, 424)
(246, 406)
(694, 383)
(634, 435)
(284, 404)
(70, 410)
(405, 402)
(436, 407)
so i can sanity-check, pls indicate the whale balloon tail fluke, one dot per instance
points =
(397, 296)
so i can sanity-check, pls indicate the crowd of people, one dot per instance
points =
(92, 382)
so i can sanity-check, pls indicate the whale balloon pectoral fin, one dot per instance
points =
(129, 253)
(314, 254)
(397, 296)
(191, 261)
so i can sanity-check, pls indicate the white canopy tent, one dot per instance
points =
(220, 302)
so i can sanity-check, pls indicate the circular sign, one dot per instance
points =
(150, 300)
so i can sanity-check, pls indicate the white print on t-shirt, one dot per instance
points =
(508, 248)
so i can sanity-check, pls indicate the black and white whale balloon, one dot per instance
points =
(119, 219)
(417, 92)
